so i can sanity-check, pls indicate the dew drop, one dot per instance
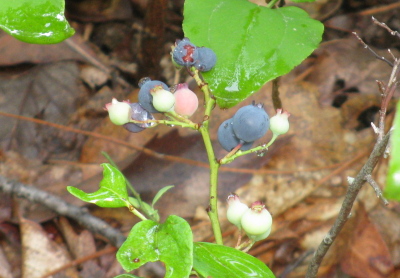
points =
(143, 80)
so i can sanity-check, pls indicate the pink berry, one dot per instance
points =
(186, 101)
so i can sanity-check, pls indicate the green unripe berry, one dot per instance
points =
(256, 221)
(119, 112)
(279, 124)
(235, 210)
(163, 100)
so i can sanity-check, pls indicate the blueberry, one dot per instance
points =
(138, 114)
(185, 53)
(145, 97)
(227, 138)
(206, 60)
(250, 123)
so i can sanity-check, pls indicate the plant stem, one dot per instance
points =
(232, 156)
(136, 212)
(214, 164)
(166, 122)
(272, 4)
(214, 167)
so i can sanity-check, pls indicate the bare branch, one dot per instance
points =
(347, 205)
(376, 188)
(61, 207)
(372, 51)
(387, 96)
(383, 25)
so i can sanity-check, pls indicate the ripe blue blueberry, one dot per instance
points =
(185, 53)
(138, 114)
(206, 60)
(250, 122)
(145, 97)
(228, 139)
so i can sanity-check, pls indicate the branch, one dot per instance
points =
(377, 56)
(347, 205)
(61, 207)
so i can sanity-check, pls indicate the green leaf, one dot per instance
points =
(160, 193)
(134, 202)
(212, 260)
(149, 241)
(112, 192)
(150, 211)
(253, 44)
(392, 189)
(38, 21)
(127, 276)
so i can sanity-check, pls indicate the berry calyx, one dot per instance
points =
(119, 112)
(186, 101)
(184, 53)
(163, 100)
(256, 221)
(279, 124)
(236, 209)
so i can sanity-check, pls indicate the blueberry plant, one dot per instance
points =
(231, 49)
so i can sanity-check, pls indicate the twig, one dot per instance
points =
(61, 207)
(276, 100)
(377, 189)
(372, 51)
(386, 91)
(161, 155)
(383, 25)
(81, 260)
(347, 205)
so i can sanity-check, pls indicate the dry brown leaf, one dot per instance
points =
(48, 92)
(349, 61)
(40, 254)
(367, 254)
(5, 268)
(81, 245)
(13, 51)
(388, 224)
(99, 10)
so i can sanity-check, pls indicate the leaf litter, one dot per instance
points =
(303, 202)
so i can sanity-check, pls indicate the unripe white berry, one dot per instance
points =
(119, 112)
(279, 124)
(235, 210)
(257, 220)
(260, 237)
(163, 100)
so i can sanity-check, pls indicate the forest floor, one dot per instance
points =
(60, 92)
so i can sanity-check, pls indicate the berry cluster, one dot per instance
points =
(256, 221)
(154, 97)
(186, 54)
(250, 123)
